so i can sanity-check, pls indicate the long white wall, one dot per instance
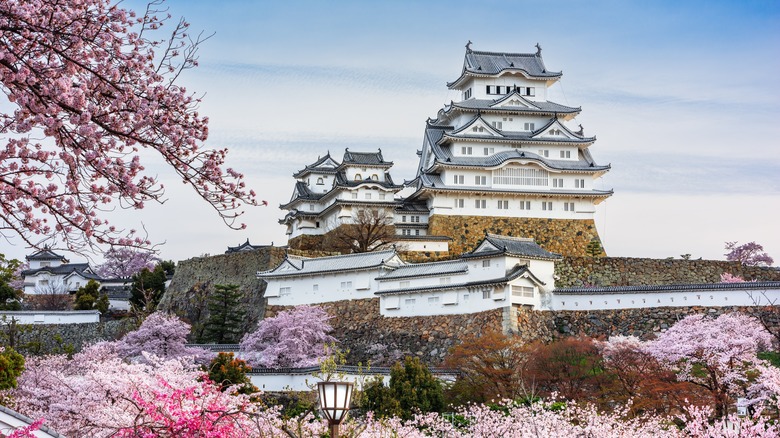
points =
(50, 317)
(676, 298)
(324, 288)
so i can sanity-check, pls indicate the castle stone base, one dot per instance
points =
(568, 237)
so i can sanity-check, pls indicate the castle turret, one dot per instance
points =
(506, 152)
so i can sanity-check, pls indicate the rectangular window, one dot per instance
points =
(416, 219)
(579, 183)
(465, 297)
(465, 150)
(565, 154)
(486, 294)
(406, 232)
(467, 94)
(485, 263)
(480, 203)
(529, 126)
(489, 151)
(544, 152)
(354, 195)
(433, 299)
(520, 176)
(315, 287)
(381, 196)
(458, 179)
(416, 232)
(522, 291)
(403, 284)
(403, 218)
(346, 285)
(459, 203)
(547, 205)
(498, 125)
(530, 91)
(568, 206)
(525, 205)
(283, 291)
(444, 280)
(480, 180)
(411, 301)
(368, 195)
(557, 182)
(503, 205)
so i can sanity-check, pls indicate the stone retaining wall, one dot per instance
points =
(369, 336)
(563, 236)
(626, 271)
(642, 323)
(194, 281)
(61, 338)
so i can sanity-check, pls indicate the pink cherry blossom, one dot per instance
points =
(88, 85)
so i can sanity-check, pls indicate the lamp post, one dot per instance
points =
(334, 402)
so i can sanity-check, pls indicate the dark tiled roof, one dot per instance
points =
(343, 181)
(348, 262)
(246, 246)
(45, 254)
(347, 369)
(302, 192)
(27, 420)
(318, 167)
(69, 268)
(488, 105)
(413, 207)
(511, 275)
(668, 288)
(426, 269)
(445, 156)
(495, 244)
(493, 63)
(365, 158)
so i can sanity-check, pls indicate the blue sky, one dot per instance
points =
(684, 98)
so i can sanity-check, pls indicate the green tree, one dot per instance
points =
(11, 366)
(9, 297)
(412, 389)
(89, 297)
(225, 370)
(594, 248)
(225, 315)
(148, 287)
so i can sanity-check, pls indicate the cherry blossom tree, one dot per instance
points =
(728, 277)
(164, 337)
(294, 338)
(126, 262)
(714, 353)
(749, 254)
(87, 86)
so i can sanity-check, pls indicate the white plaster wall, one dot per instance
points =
(444, 204)
(119, 304)
(479, 90)
(50, 317)
(329, 288)
(308, 382)
(639, 300)
(422, 245)
(465, 301)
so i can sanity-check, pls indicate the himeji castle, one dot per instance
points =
(502, 159)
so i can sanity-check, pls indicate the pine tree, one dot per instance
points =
(594, 248)
(225, 316)
(88, 297)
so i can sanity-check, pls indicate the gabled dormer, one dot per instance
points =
(556, 130)
(514, 100)
(477, 127)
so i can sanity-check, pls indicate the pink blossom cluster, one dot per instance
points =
(125, 262)
(161, 336)
(294, 338)
(88, 85)
(749, 254)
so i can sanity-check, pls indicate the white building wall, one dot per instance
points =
(445, 204)
(479, 90)
(422, 245)
(321, 288)
(50, 316)
(681, 298)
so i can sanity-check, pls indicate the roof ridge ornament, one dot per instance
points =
(468, 47)
(538, 50)
(581, 132)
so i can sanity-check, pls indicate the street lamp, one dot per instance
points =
(334, 402)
